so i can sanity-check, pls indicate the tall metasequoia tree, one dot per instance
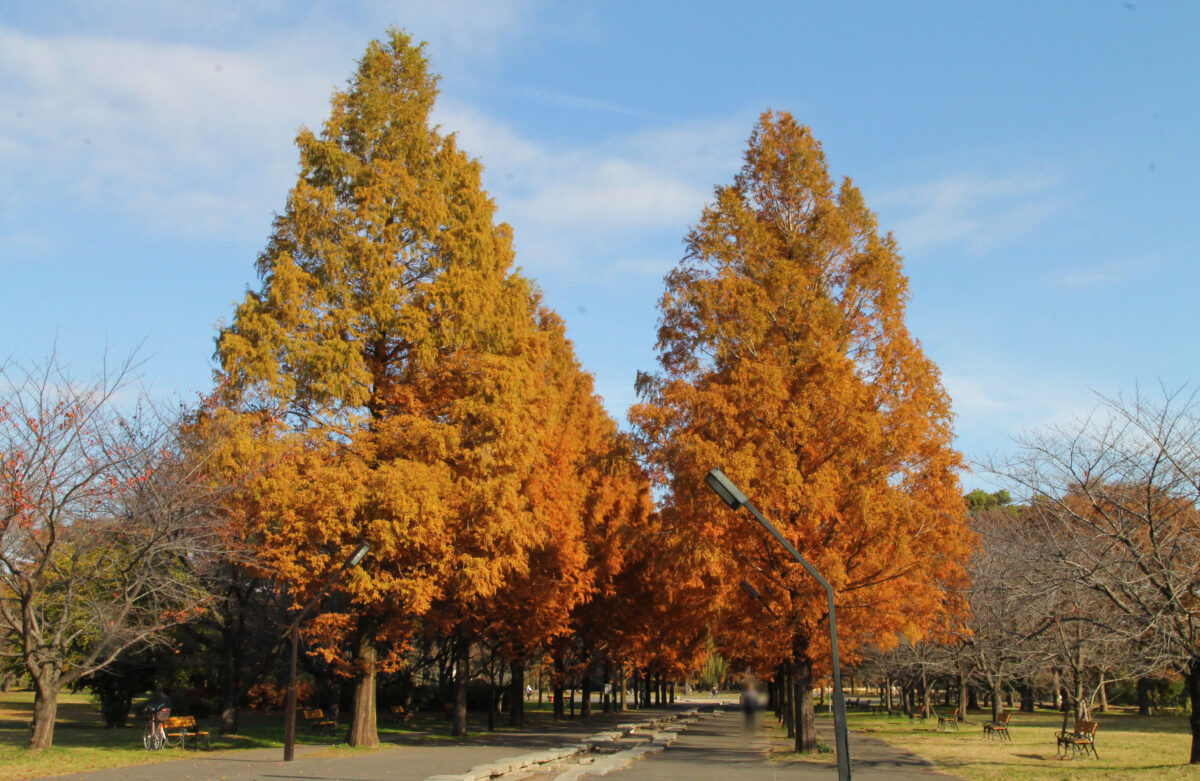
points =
(396, 349)
(786, 362)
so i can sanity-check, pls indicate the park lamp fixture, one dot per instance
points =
(725, 489)
(733, 497)
(289, 722)
(358, 555)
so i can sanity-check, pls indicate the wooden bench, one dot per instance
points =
(998, 728)
(399, 714)
(1083, 737)
(183, 728)
(316, 721)
(945, 723)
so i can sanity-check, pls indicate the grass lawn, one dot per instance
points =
(1130, 746)
(81, 741)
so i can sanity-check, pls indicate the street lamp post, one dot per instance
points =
(289, 722)
(733, 497)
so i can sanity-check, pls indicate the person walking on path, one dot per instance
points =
(750, 705)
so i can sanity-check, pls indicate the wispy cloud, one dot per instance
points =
(971, 209)
(583, 103)
(1098, 276)
(997, 399)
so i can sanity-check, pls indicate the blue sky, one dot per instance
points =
(1036, 162)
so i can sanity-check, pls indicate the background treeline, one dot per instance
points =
(1088, 591)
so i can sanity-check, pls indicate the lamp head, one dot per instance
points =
(725, 489)
(358, 555)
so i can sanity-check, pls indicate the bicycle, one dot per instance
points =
(155, 736)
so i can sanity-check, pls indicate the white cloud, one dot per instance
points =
(970, 209)
(184, 138)
(197, 139)
(596, 201)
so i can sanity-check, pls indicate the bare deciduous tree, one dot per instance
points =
(1116, 499)
(103, 518)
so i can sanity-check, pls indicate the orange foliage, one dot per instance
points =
(786, 362)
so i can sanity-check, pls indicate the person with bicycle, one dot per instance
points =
(160, 710)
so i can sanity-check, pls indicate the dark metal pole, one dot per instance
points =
(289, 718)
(289, 723)
(841, 736)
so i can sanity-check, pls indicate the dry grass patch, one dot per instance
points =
(1130, 747)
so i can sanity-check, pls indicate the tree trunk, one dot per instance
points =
(1026, 698)
(493, 702)
(557, 680)
(45, 709)
(1193, 691)
(1103, 695)
(606, 692)
(363, 729)
(1080, 705)
(972, 698)
(1143, 696)
(621, 683)
(671, 693)
(516, 698)
(333, 698)
(964, 694)
(462, 672)
(887, 693)
(789, 702)
(646, 687)
(585, 695)
(926, 705)
(229, 683)
(997, 698)
(806, 727)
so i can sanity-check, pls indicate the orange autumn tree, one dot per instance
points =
(397, 352)
(534, 605)
(786, 362)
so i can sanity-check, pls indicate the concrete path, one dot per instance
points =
(719, 750)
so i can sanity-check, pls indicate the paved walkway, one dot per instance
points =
(719, 750)
(713, 749)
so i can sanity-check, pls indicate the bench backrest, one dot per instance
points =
(1004, 717)
(1087, 727)
(178, 722)
(314, 713)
